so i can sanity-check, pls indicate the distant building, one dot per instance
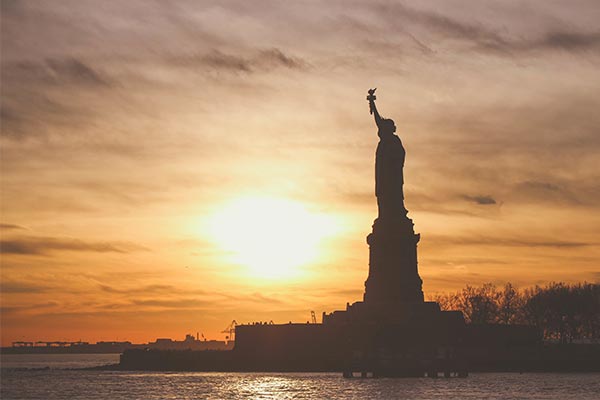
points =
(190, 343)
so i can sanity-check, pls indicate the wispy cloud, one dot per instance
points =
(447, 26)
(11, 227)
(45, 245)
(545, 192)
(151, 290)
(21, 287)
(178, 304)
(480, 36)
(36, 308)
(550, 41)
(53, 71)
(259, 61)
(478, 240)
(481, 200)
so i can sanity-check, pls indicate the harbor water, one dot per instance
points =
(56, 376)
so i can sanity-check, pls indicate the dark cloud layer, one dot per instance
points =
(481, 200)
(562, 40)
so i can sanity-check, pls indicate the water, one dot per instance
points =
(59, 383)
(56, 361)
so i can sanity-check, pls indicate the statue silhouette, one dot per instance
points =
(389, 164)
(393, 272)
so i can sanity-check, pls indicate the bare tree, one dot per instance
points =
(510, 302)
(565, 312)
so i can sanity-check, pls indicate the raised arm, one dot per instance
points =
(372, 107)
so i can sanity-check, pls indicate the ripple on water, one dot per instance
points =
(69, 384)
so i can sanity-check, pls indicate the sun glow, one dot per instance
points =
(271, 237)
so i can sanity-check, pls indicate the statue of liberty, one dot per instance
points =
(389, 164)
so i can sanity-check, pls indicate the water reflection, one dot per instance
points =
(66, 384)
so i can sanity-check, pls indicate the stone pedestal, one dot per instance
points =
(393, 276)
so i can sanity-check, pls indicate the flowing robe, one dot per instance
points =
(389, 177)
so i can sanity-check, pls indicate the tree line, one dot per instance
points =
(564, 312)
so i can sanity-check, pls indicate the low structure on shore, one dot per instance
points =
(62, 347)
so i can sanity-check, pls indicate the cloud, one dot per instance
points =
(437, 240)
(11, 226)
(177, 304)
(38, 96)
(45, 245)
(148, 289)
(542, 151)
(452, 262)
(171, 296)
(53, 71)
(261, 298)
(183, 300)
(544, 192)
(219, 61)
(357, 197)
(5, 310)
(21, 287)
(481, 200)
(550, 41)
(259, 61)
(276, 58)
(455, 279)
(442, 24)
(542, 186)
(350, 293)
(29, 113)
(251, 298)
(130, 192)
(453, 28)
(570, 40)
(483, 37)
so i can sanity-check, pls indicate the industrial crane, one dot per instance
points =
(230, 330)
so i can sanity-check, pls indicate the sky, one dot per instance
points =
(168, 167)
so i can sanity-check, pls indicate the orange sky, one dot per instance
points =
(131, 131)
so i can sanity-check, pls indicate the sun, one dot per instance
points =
(271, 237)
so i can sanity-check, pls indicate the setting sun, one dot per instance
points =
(272, 237)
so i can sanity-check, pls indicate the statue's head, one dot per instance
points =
(387, 127)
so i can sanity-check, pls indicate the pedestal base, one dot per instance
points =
(393, 275)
